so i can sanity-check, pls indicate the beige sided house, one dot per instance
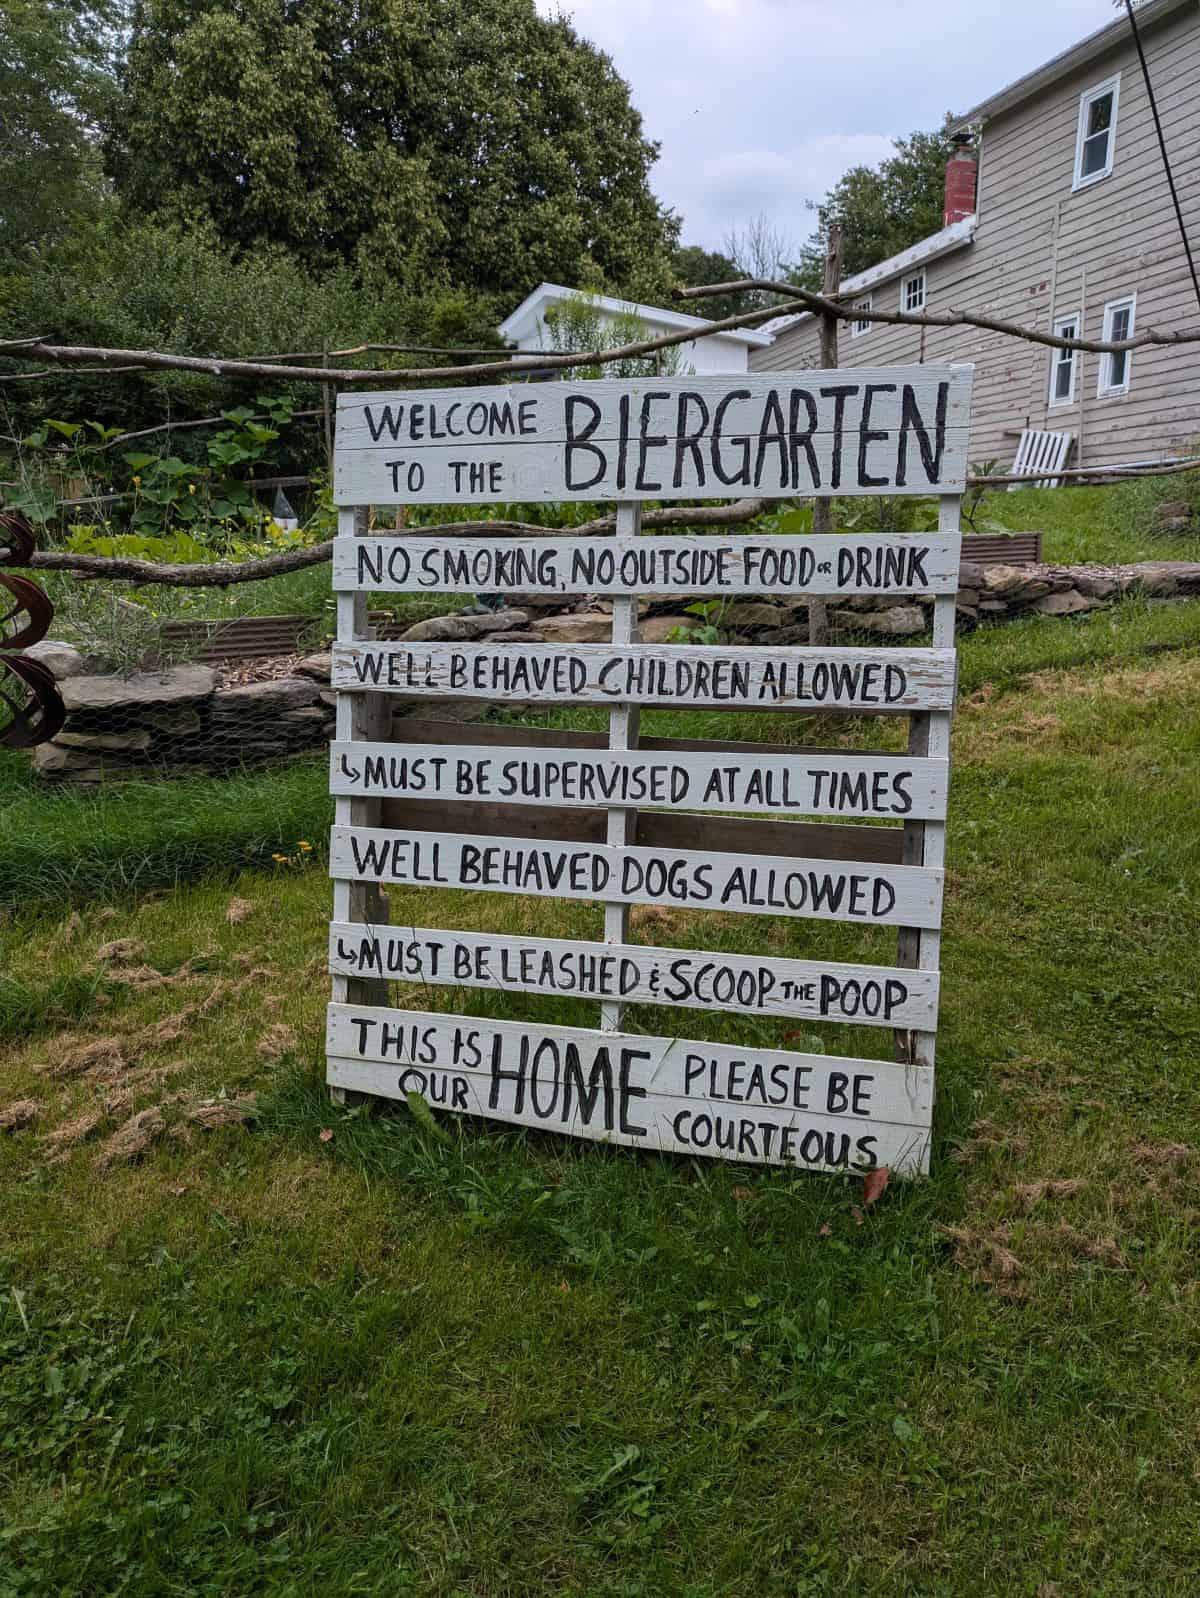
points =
(1072, 230)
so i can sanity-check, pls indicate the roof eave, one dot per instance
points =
(954, 237)
(1067, 61)
(554, 293)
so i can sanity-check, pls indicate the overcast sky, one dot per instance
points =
(760, 105)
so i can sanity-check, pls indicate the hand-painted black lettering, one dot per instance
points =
(626, 1091)
(740, 477)
(912, 421)
(867, 436)
(685, 441)
(839, 393)
(577, 440)
(803, 440)
(387, 423)
(648, 441)
(771, 433)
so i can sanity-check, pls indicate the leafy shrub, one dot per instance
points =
(144, 284)
(155, 492)
(577, 325)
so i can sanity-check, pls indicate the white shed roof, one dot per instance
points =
(533, 307)
(936, 245)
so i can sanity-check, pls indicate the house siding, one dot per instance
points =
(1042, 251)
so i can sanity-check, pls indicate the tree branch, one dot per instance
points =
(1094, 474)
(843, 308)
(411, 349)
(178, 427)
(196, 574)
(538, 361)
(40, 377)
(293, 355)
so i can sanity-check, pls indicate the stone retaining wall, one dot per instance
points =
(182, 719)
(986, 594)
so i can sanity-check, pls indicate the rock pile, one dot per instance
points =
(176, 718)
(986, 594)
(1174, 516)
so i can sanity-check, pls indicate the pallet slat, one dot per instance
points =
(715, 677)
(821, 887)
(840, 786)
(912, 563)
(821, 1112)
(903, 430)
(696, 979)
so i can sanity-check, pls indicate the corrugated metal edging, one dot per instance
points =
(247, 637)
(1012, 549)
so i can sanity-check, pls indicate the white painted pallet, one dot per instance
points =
(1040, 451)
(892, 431)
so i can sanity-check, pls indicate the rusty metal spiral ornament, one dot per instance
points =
(31, 708)
(27, 621)
(16, 539)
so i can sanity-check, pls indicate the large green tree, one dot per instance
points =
(469, 138)
(694, 267)
(55, 80)
(881, 209)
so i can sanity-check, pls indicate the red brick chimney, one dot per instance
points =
(962, 170)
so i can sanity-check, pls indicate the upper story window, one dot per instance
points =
(1097, 132)
(861, 325)
(1063, 363)
(912, 292)
(1115, 364)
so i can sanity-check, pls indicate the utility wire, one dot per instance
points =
(1162, 144)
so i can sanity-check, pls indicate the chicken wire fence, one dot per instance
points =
(146, 698)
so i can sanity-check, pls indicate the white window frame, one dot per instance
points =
(913, 277)
(1104, 387)
(861, 329)
(1064, 327)
(1109, 86)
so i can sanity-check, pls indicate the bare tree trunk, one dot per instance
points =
(818, 619)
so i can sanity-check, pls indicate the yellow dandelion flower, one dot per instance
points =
(304, 844)
(191, 488)
(137, 482)
(282, 858)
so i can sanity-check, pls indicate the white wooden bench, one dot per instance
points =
(1039, 452)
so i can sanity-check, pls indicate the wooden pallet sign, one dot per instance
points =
(798, 834)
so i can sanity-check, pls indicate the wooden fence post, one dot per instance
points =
(326, 413)
(359, 716)
(623, 731)
(925, 841)
(818, 618)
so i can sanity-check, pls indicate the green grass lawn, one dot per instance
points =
(335, 1352)
(1113, 525)
(63, 843)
